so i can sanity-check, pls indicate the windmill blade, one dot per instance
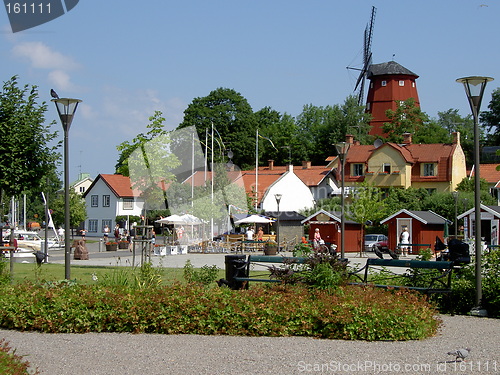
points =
(367, 56)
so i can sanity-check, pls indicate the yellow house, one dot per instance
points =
(435, 167)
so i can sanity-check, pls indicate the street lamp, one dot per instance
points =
(455, 197)
(66, 109)
(342, 149)
(474, 89)
(278, 199)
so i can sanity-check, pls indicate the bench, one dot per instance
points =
(440, 283)
(265, 260)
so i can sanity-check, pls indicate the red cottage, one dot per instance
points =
(329, 224)
(423, 227)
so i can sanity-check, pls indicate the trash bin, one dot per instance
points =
(235, 267)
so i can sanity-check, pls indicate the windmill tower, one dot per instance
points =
(389, 83)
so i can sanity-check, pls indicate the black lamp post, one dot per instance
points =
(278, 200)
(66, 109)
(455, 196)
(342, 149)
(474, 89)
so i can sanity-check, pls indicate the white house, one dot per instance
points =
(295, 194)
(82, 184)
(109, 196)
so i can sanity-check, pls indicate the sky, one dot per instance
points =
(126, 59)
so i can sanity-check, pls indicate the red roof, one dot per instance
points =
(488, 172)
(120, 185)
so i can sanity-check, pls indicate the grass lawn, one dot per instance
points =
(83, 274)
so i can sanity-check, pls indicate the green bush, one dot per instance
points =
(206, 275)
(4, 271)
(263, 310)
(11, 363)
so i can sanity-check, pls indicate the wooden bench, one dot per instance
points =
(442, 280)
(265, 260)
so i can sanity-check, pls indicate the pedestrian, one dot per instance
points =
(316, 239)
(260, 234)
(117, 232)
(404, 238)
(83, 232)
(105, 233)
(249, 234)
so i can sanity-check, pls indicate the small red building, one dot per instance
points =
(329, 224)
(423, 227)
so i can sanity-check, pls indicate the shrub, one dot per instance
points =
(206, 275)
(11, 363)
(4, 271)
(279, 310)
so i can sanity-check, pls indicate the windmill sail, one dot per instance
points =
(367, 57)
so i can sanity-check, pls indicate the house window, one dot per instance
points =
(82, 189)
(387, 168)
(128, 203)
(105, 200)
(429, 169)
(401, 83)
(413, 84)
(104, 223)
(93, 225)
(94, 201)
(357, 169)
(384, 83)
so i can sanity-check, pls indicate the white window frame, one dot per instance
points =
(93, 224)
(383, 83)
(128, 203)
(401, 83)
(94, 201)
(106, 200)
(386, 167)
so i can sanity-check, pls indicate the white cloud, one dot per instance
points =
(42, 56)
(60, 80)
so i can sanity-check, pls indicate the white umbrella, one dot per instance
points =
(254, 219)
(172, 219)
(191, 219)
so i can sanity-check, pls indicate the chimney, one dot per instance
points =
(407, 138)
(290, 168)
(349, 138)
(271, 165)
(456, 138)
(306, 165)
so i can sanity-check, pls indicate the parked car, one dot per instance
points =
(379, 241)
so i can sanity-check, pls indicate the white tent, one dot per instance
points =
(258, 219)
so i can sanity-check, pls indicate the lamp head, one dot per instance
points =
(474, 89)
(66, 108)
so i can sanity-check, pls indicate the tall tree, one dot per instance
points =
(453, 122)
(233, 120)
(490, 120)
(26, 157)
(78, 210)
(407, 118)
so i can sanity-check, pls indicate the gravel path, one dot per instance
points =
(109, 353)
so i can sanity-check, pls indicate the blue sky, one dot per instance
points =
(125, 59)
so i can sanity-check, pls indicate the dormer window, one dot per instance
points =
(386, 168)
(429, 169)
(357, 169)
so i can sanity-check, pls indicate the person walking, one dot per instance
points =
(404, 238)
(317, 239)
(105, 233)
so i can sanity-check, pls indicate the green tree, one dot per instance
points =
(411, 199)
(77, 209)
(407, 118)
(453, 122)
(321, 127)
(25, 155)
(490, 120)
(282, 130)
(233, 120)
